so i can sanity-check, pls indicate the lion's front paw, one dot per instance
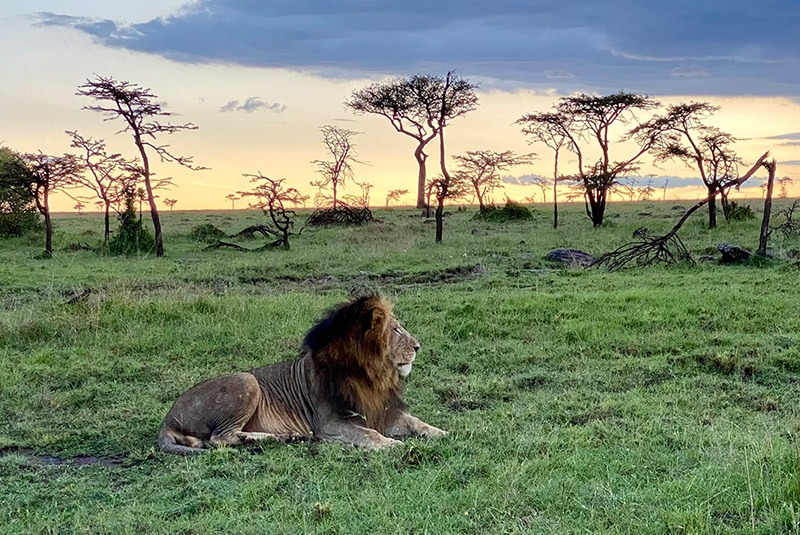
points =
(387, 443)
(433, 432)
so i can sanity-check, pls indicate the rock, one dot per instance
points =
(570, 257)
(731, 254)
(641, 233)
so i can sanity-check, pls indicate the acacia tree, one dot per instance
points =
(140, 111)
(587, 122)
(171, 203)
(336, 171)
(394, 195)
(233, 198)
(457, 97)
(709, 150)
(271, 198)
(550, 129)
(109, 175)
(413, 106)
(480, 169)
(46, 174)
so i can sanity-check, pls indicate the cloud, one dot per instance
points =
(791, 162)
(689, 71)
(790, 135)
(556, 74)
(657, 182)
(252, 104)
(676, 47)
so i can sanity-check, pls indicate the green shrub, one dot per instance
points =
(131, 237)
(738, 212)
(512, 211)
(207, 233)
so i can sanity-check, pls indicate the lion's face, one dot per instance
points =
(402, 347)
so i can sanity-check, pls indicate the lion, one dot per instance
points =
(346, 386)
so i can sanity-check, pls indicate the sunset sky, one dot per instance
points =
(259, 78)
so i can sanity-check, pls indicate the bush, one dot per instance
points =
(131, 237)
(512, 211)
(207, 233)
(734, 211)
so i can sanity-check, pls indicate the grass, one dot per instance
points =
(662, 400)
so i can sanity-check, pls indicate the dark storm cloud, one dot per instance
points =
(675, 47)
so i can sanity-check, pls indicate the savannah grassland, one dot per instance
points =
(659, 400)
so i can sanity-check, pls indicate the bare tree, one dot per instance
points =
(79, 206)
(336, 171)
(46, 174)
(646, 193)
(109, 176)
(686, 137)
(551, 129)
(233, 198)
(481, 169)
(271, 198)
(413, 107)
(140, 111)
(394, 195)
(446, 189)
(588, 121)
(171, 203)
(361, 200)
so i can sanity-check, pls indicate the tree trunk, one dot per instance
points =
(555, 191)
(762, 241)
(150, 198)
(421, 176)
(597, 205)
(440, 216)
(712, 207)
(107, 229)
(48, 226)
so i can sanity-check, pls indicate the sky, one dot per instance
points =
(260, 77)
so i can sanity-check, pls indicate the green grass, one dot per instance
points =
(662, 400)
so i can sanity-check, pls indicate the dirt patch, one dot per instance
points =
(52, 460)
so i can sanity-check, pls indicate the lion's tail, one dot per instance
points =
(168, 443)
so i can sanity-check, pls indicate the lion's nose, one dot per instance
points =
(416, 348)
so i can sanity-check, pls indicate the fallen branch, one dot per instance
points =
(669, 248)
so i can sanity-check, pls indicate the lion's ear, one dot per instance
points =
(378, 319)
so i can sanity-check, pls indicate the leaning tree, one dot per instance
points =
(588, 124)
(413, 106)
(141, 112)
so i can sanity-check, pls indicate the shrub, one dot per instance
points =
(207, 233)
(131, 237)
(738, 212)
(512, 211)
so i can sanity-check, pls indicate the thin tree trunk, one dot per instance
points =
(150, 198)
(48, 225)
(712, 207)
(555, 191)
(762, 241)
(107, 229)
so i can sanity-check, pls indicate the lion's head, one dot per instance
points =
(361, 353)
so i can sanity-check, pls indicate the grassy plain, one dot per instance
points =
(660, 400)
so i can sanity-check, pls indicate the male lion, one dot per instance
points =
(346, 386)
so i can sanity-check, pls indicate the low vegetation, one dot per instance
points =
(658, 400)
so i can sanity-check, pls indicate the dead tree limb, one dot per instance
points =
(668, 248)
